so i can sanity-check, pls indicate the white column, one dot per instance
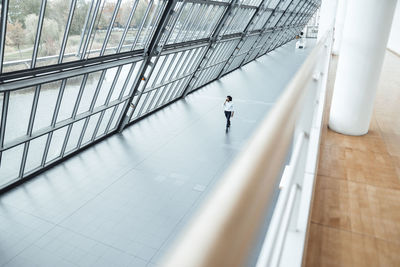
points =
(339, 23)
(326, 17)
(365, 35)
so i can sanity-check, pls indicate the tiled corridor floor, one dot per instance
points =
(123, 201)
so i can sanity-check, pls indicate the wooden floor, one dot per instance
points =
(356, 210)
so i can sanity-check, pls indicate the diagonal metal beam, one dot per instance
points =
(153, 50)
(213, 41)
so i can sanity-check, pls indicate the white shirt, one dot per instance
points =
(228, 106)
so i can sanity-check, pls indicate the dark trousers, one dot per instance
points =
(228, 118)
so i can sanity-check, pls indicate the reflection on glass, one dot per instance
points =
(89, 91)
(19, 111)
(90, 128)
(35, 153)
(57, 141)
(10, 164)
(74, 136)
(47, 102)
(104, 122)
(70, 95)
(20, 35)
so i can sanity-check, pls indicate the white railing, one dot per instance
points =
(223, 233)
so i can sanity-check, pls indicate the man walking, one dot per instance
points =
(228, 110)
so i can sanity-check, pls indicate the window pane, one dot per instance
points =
(101, 27)
(21, 33)
(47, 102)
(106, 86)
(55, 21)
(90, 128)
(116, 117)
(74, 136)
(69, 98)
(88, 93)
(120, 82)
(104, 122)
(10, 164)
(19, 111)
(56, 144)
(77, 27)
(35, 153)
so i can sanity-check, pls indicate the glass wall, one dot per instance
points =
(75, 71)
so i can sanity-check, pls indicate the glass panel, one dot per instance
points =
(56, 144)
(106, 86)
(19, 111)
(134, 75)
(47, 102)
(74, 136)
(71, 92)
(116, 117)
(120, 82)
(103, 22)
(77, 28)
(90, 128)
(1, 104)
(88, 92)
(135, 35)
(21, 33)
(55, 21)
(10, 164)
(104, 122)
(35, 153)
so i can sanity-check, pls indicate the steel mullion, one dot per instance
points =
(186, 37)
(171, 81)
(110, 92)
(192, 22)
(46, 130)
(141, 25)
(88, 36)
(267, 23)
(3, 30)
(121, 94)
(283, 14)
(156, 78)
(96, 27)
(74, 112)
(29, 130)
(85, 27)
(163, 91)
(219, 26)
(92, 104)
(3, 121)
(54, 120)
(202, 31)
(159, 36)
(184, 25)
(162, 80)
(195, 25)
(161, 69)
(153, 48)
(149, 32)
(128, 23)
(66, 32)
(38, 33)
(246, 30)
(110, 27)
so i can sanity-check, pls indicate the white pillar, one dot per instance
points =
(365, 35)
(339, 23)
(326, 17)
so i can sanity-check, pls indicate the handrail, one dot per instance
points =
(223, 232)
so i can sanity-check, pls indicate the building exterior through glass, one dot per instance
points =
(75, 71)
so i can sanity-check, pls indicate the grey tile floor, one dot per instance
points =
(123, 201)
